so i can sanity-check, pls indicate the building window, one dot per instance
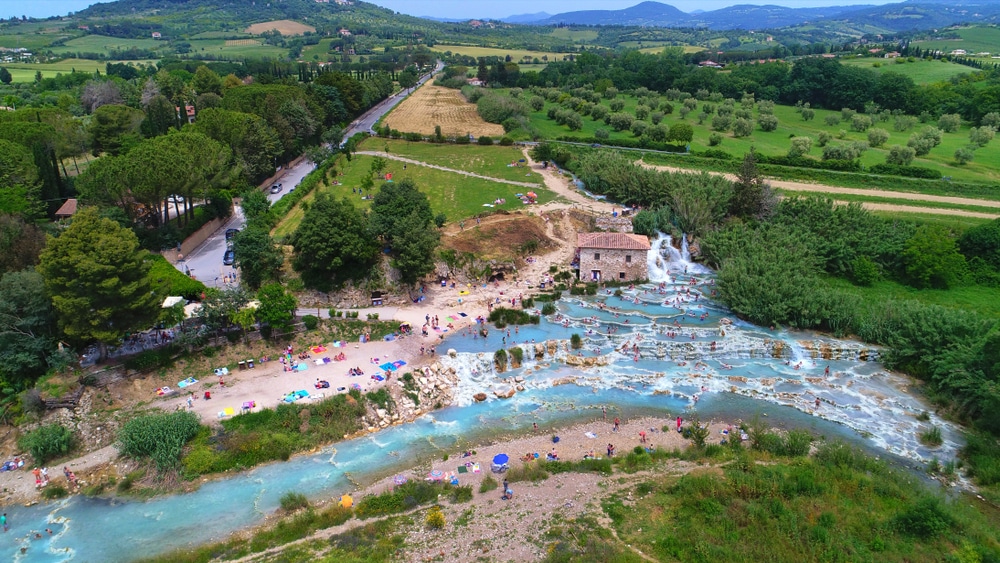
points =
(628, 258)
(621, 275)
(597, 256)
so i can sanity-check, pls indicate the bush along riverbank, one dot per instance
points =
(766, 497)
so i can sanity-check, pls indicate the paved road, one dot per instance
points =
(366, 123)
(205, 262)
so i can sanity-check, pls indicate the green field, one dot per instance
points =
(515, 54)
(218, 48)
(25, 72)
(973, 39)
(102, 44)
(492, 161)
(577, 35)
(984, 168)
(318, 52)
(458, 197)
(921, 71)
(970, 297)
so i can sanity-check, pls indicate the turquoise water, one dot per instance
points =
(664, 360)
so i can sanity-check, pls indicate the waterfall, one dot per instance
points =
(663, 258)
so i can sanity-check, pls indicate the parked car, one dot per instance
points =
(229, 257)
(275, 188)
(174, 198)
(230, 233)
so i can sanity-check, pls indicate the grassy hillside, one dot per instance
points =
(974, 39)
(921, 71)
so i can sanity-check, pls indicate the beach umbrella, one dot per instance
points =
(500, 459)
(532, 195)
(399, 480)
(346, 501)
(435, 475)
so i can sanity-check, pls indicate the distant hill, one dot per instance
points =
(527, 18)
(911, 14)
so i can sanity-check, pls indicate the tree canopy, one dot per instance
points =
(333, 243)
(99, 280)
(401, 216)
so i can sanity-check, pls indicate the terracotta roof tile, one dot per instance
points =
(67, 209)
(612, 241)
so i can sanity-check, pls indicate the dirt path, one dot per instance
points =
(821, 188)
(561, 185)
(454, 170)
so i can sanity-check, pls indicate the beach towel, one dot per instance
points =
(475, 468)
(356, 386)
(319, 361)
(462, 315)
(230, 411)
(301, 394)
(398, 364)
(326, 360)
(318, 349)
(590, 435)
(438, 329)
(301, 367)
(463, 469)
(186, 382)
(221, 371)
(387, 367)
(378, 377)
(389, 337)
(463, 292)
(337, 344)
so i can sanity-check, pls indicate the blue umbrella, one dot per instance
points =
(500, 459)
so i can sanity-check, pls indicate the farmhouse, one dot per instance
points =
(612, 256)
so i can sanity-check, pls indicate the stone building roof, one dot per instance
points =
(612, 241)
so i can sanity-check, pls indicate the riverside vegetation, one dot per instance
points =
(834, 504)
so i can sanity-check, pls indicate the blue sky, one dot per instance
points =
(458, 8)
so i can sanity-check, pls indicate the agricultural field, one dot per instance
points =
(493, 161)
(921, 71)
(577, 35)
(516, 55)
(458, 197)
(975, 39)
(984, 168)
(434, 105)
(284, 27)
(25, 72)
(659, 49)
(236, 49)
(318, 52)
(103, 44)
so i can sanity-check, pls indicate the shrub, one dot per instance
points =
(461, 494)
(832, 120)
(981, 136)
(616, 105)
(964, 155)
(488, 484)
(864, 271)
(496, 108)
(485, 140)
(861, 123)
(549, 308)
(435, 518)
(159, 437)
(925, 519)
(601, 134)
(808, 114)
(714, 140)
(576, 341)
(506, 141)
(823, 138)
(900, 155)
(877, 137)
(742, 128)
(800, 147)
(292, 501)
(949, 122)
(500, 360)
(767, 122)
(53, 492)
(47, 442)
(536, 103)
(639, 127)
(311, 322)
(722, 123)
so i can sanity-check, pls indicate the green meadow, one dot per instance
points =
(218, 48)
(103, 44)
(459, 197)
(25, 72)
(921, 71)
(493, 161)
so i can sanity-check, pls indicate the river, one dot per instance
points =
(671, 348)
